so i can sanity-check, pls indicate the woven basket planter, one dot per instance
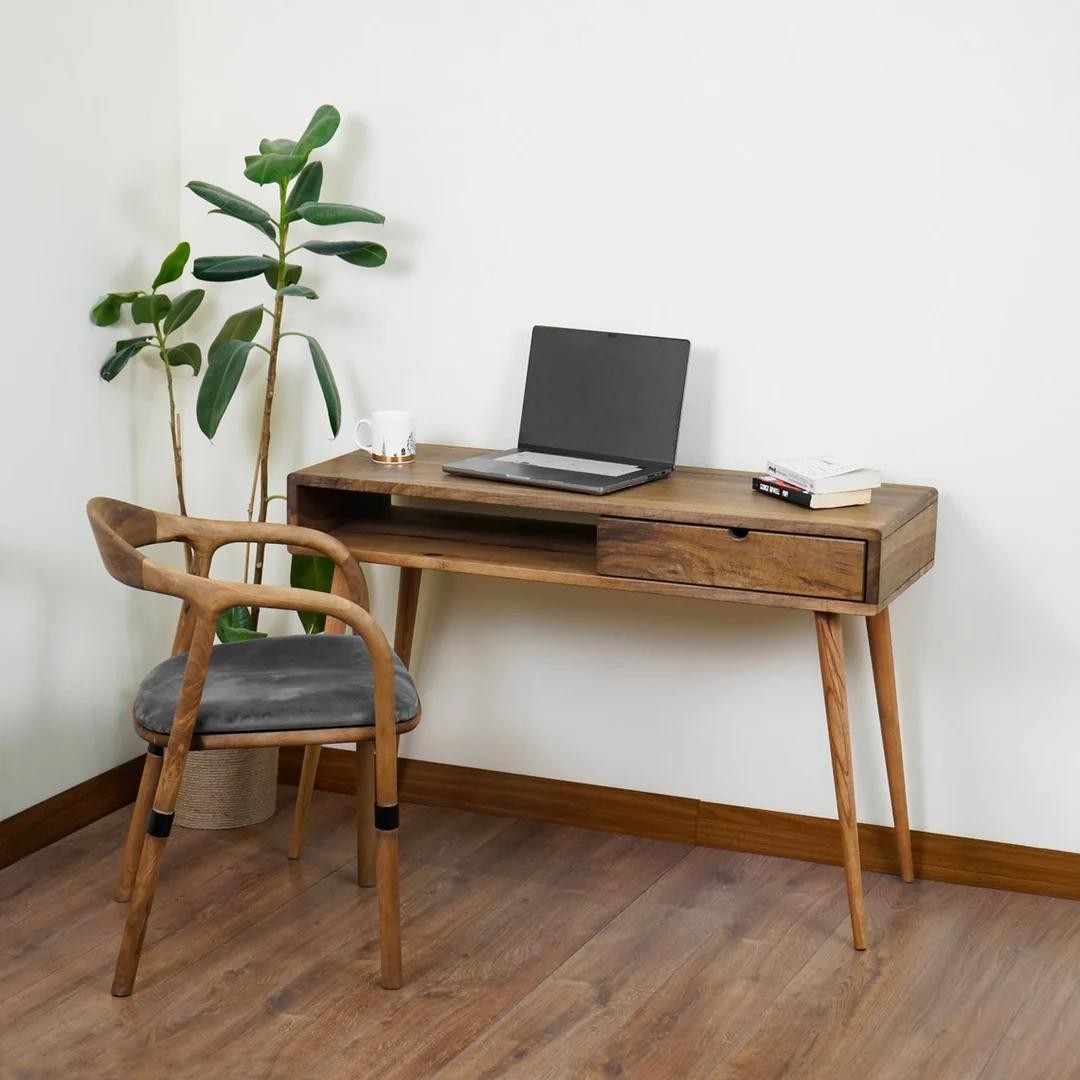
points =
(227, 789)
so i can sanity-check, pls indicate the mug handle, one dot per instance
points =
(366, 448)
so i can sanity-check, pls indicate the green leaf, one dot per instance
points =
(277, 146)
(270, 168)
(312, 572)
(149, 309)
(234, 206)
(107, 309)
(125, 350)
(337, 214)
(219, 384)
(357, 252)
(173, 265)
(235, 625)
(299, 290)
(320, 130)
(188, 353)
(305, 189)
(292, 274)
(231, 267)
(326, 383)
(265, 227)
(183, 307)
(243, 326)
(369, 255)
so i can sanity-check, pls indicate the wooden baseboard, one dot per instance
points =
(46, 822)
(937, 857)
(664, 817)
(956, 859)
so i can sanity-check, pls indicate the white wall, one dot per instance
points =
(88, 191)
(863, 216)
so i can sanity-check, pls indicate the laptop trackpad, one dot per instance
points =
(569, 464)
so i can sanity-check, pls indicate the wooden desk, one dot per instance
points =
(699, 533)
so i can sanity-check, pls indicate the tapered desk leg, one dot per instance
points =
(879, 631)
(408, 594)
(834, 685)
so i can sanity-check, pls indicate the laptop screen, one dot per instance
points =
(604, 395)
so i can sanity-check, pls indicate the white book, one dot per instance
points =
(825, 475)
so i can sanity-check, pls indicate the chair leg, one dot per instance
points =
(160, 819)
(365, 813)
(303, 799)
(127, 963)
(386, 860)
(137, 827)
(389, 908)
(142, 898)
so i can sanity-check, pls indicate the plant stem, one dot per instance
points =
(178, 450)
(174, 432)
(262, 460)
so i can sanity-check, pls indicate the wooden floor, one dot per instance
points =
(531, 950)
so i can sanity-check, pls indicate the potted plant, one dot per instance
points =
(295, 181)
(158, 316)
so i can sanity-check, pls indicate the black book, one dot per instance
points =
(781, 489)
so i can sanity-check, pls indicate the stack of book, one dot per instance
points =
(818, 483)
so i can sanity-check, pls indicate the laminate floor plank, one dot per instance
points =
(1044, 1029)
(63, 868)
(670, 984)
(315, 963)
(474, 959)
(932, 999)
(202, 903)
(69, 920)
(531, 950)
(216, 966)
(482, 925)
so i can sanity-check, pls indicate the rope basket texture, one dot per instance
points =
(227, 789)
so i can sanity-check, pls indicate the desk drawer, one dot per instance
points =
(732, 558)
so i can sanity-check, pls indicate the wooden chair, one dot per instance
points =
(285, 691)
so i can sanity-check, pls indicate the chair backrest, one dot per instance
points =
(120, 529)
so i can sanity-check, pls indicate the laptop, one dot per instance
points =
(601, 413)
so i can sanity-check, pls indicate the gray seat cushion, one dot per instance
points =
(292, 683)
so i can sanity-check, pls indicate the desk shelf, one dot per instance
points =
(473, 544)
(526, 550)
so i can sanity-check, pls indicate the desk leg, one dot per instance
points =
(408, 594)
(834, 684)
(879, 632)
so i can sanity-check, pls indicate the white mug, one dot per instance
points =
(393, 437)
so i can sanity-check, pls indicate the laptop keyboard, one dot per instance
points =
(569, 464)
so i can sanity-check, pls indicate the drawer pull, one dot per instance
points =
(738, 534)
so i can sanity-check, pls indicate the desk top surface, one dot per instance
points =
(690, 495)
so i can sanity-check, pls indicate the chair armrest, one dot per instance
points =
(214, 597)
(219, 596)
(207, 535)
(210, 598)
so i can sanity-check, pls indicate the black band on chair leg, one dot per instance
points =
(159, 824)
(386, 817)
(155, 751)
